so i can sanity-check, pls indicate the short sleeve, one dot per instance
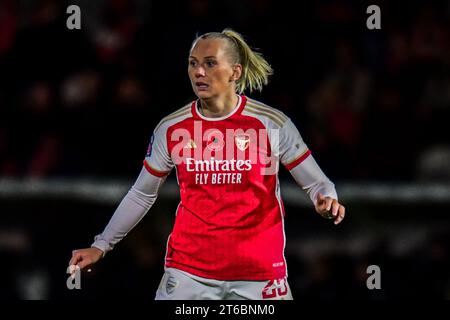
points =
(157, 160)
(293, 149)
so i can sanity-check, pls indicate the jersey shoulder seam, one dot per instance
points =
(270, 113)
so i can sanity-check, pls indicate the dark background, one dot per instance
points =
(80, 105)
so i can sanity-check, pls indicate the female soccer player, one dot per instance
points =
(228, 238)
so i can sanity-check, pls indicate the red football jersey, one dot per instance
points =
(229, 222)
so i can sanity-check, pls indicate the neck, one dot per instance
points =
(219, 106)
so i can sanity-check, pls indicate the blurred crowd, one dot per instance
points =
(371, 104)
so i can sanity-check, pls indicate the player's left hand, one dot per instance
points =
(330, 208)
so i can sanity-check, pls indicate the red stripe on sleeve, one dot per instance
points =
(297, 161)
(153, 171)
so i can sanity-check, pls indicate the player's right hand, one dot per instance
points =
(84, 258)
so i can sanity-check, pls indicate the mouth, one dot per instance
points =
(201, 86)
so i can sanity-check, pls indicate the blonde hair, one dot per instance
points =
(255, 69)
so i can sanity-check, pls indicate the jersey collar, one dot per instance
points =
(240, 106)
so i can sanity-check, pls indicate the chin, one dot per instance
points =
(203, 94)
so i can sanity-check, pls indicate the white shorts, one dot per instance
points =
(180, 285)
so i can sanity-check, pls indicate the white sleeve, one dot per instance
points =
(158, 160)
(130, 211)
(292, 148)
(310, 177)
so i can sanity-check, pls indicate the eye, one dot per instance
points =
(192, 63)
(211, 64)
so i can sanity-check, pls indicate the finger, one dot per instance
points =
(75, 258)
(84, 263)
(73, 270)
(329, 201)
(341, 215)
(334, 208)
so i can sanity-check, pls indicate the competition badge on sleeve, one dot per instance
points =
(149, 149)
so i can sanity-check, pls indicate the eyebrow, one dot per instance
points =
(208, 57)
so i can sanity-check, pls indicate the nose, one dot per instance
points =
(200, 72)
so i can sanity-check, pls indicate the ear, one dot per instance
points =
(237, 72)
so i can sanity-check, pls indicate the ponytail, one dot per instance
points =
(255, 69)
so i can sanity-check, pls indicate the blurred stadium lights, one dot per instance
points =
(110, 192)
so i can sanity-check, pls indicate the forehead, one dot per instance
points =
(209, 47)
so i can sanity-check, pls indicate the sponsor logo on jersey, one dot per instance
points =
(217, 165)
(240, 148)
